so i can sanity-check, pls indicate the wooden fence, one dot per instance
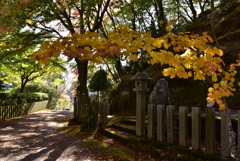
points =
(7, 112)
(190, 129)
(200, 130)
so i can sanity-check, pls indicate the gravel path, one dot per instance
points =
(36, 138)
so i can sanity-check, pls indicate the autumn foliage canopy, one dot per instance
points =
(186, 54)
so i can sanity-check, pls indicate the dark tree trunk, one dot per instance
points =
(161, 16)
(23, 84)
(194, 12)
(119, 69)
(87, 112)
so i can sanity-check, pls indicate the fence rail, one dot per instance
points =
(7, 112)
(167, 129)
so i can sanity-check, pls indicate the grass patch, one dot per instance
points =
(113, 144)
(64, 124)
(72, 130)
(75, 130)
(103, 147)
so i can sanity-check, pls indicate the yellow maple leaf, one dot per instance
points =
(189, 74)
(158, 43)
(29, 21)
(210, 89)
(222, 107)
(210, 99)
(56, 53)
(162, 22)
(215, 86)
(180, 20)
(166, 45)
(45, 45)
(168, 28)
(207, 36)
(134, 57)
(172, 22)
(99, 59)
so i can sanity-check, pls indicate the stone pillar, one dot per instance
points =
(225, 151)
(196, 128)
(95, 106)
(152, 121)
(183, 125)
(170, 124)
(103, 113)
(161, 122)
(4, 113)
(238, 129)
(109, 109)
(210, 131)
(75, 107)
(141, 80)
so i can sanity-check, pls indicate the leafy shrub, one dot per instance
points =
(31, 88)
(36, 97)
(7, 99)
(32, 93)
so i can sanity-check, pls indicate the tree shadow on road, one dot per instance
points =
(36, 137)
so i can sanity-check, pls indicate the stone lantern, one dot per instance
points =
(141, 81)
(77, 106)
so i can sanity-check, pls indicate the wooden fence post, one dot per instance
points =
(225, 151)
(95, 106)
(196, 128)
(238, 129)
(19, 107)
(151, 121)
(13, 111)
(161, 115)
(170, 124)
(183, 125)
(7, 112)
(103, 113)
(210, 131)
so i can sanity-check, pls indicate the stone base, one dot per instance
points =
(74, 121)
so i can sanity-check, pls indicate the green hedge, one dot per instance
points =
(32, 88)
(7, 99)
(43, 93)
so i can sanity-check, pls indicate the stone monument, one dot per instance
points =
(158, 97)
(160, 93)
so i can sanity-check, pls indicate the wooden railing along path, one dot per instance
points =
(7, 112)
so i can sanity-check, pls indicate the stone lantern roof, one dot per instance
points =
(141, 76)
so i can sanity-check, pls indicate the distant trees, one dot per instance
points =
(20, 69)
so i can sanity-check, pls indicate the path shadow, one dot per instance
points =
(36, 137)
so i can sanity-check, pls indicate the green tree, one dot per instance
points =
(19, 69)
(14, 43)
(99, 82)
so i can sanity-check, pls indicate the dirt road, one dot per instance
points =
(36, 138)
